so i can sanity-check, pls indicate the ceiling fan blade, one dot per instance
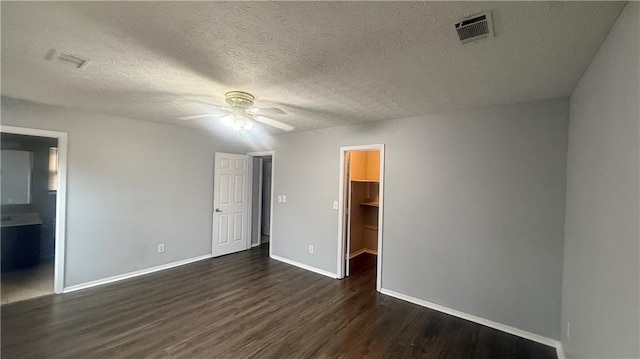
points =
(273, 123)
(215, 108)
(267, 111)
(207, 103)
(202, 115)
(193, 117)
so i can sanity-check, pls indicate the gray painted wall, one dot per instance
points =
(601, 264)
(474, 207)
(131, 185)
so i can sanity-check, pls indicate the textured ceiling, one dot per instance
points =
(325, 63)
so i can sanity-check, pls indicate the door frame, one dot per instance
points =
(61, 198)
(258, 203)
(341, 209)
(273, 171)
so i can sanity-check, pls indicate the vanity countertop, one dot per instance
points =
(20, 219)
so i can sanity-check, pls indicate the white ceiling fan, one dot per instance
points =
(241, 115)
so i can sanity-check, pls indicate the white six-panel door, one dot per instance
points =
(231, 190)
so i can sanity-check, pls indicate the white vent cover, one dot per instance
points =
(475, 27)
(73, 60)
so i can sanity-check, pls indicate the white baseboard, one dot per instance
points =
(486, 322)
(362, 251)
(137, 273)
(305, 266)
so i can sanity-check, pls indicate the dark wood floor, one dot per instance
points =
(246, 305)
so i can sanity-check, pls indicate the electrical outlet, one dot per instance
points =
(311, 248)
(568, 330)
(161, 248)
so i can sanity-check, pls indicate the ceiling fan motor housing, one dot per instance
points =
(239, 99)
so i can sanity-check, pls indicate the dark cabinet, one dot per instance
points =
(20, 246)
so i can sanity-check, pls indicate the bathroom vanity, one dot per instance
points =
(21, 236)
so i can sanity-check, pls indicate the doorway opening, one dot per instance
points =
(32, 197)
(261, 198)
(361, 209)
(242, 201)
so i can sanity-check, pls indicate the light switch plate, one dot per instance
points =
(279, 199)
(284, 198)
(335, 204)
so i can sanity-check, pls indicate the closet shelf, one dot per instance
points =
(370, 204)
(364, 180)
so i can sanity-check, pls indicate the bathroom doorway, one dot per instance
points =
(28, 208)
(32, 195)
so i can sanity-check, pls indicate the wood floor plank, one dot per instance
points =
(246, 305)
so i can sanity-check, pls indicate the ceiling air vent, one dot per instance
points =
(75, 61)
(475, 27)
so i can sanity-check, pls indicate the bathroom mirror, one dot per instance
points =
(15, 173)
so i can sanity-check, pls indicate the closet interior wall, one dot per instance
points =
(364, 192)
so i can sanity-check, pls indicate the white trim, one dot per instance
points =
(375, 146)
(137, 273)
(61, 198)
(273, 186)
(259, 202)
(560, 351)
(472, 318)
(250, 197)
(260, 153)
(271, 214)
(304, 266)
(380, 220)
(362, 251)
(31, 131)
(341, 241)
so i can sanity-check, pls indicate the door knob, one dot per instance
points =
(218, 210)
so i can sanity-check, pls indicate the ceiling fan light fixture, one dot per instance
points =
(240, 118)
(248, 125)
(228, 121)
(238, 121)
(241, 115)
